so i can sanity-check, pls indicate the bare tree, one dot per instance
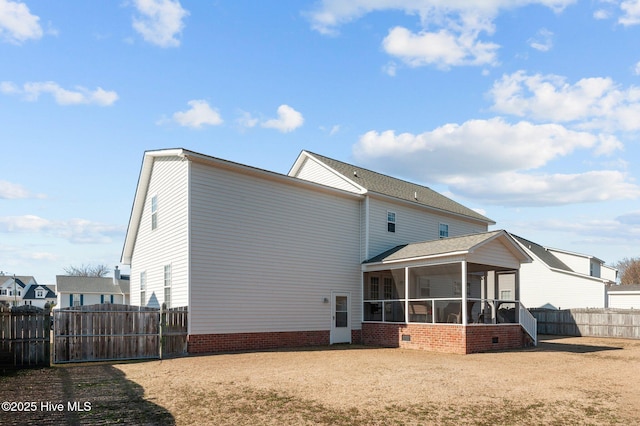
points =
(629, 270)
(88, 270)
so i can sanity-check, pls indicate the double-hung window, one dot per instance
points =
(167, 285)
(391, 222)
(154, 212)
(143, 288)
(443, 230)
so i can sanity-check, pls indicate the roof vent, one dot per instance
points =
(415, 195)
(355, 173)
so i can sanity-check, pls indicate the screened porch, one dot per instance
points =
(436, 294)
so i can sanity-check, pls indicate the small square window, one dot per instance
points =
(391, 222)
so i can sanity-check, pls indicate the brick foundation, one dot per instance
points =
(444, 338)
(209, 343)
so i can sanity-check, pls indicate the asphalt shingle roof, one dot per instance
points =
(31, 293)
(543, 254)
(74, 284)
(398, 188)
(435, 247)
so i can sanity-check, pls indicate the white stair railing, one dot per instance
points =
(529, 323)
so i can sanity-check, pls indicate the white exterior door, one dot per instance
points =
(340, 317)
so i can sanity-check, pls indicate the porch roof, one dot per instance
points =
(449, 247)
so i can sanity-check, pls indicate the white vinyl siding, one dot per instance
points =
(624, 300)
(168, 244)
(544, 287)
(578, 263)
(266, 253)
(414, 224)
(494, 253)
(313, 171)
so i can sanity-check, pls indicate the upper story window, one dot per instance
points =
(443, 230)
(391, 222)
(40, 293)
(154, 212)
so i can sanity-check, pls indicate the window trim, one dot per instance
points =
(392, 220)
(143, 288)
(440, 229)
(167, 281)
(154, 212)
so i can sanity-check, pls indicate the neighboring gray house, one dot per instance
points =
(561, 279)
(329, 253)
(623, 296)
(79, 291)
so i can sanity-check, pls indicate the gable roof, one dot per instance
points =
(444, 246)
(20, 280)
(145, 176)
(543, 254)
(31, 293)
(74, 284)
(379, 183)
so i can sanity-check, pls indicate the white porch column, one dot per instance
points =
(406, 294)
(464, 292)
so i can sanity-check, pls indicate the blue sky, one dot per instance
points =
(527, 111)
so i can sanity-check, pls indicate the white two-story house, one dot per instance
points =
(328, 253)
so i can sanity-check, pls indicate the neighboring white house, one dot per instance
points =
(39, 295)
(79, 291)
(24, 291)
(623, 296)
(329, 253)
(558, 279)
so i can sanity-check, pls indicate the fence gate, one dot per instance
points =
(110, 332)
(24, 337)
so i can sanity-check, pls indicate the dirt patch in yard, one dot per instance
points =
(562, 381)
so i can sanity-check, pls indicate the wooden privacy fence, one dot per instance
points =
(108, 332)
(605, 322)
(24, 337)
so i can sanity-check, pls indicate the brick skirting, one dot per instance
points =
(444, 338)
(209, 343)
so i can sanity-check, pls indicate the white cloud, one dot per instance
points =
(542, 41)
(198, 115)
(590, 102)
(520, 189)
(450, 29)
(636, 68)
(331, 14)
(11, 191)
(17, 24)
(494, 161)
(160, 21)
(631, 9)
(78, 231)
(32, 91)
(288, 120)
(246, 120)
(443, 48)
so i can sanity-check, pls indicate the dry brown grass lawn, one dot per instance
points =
(562, 381)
